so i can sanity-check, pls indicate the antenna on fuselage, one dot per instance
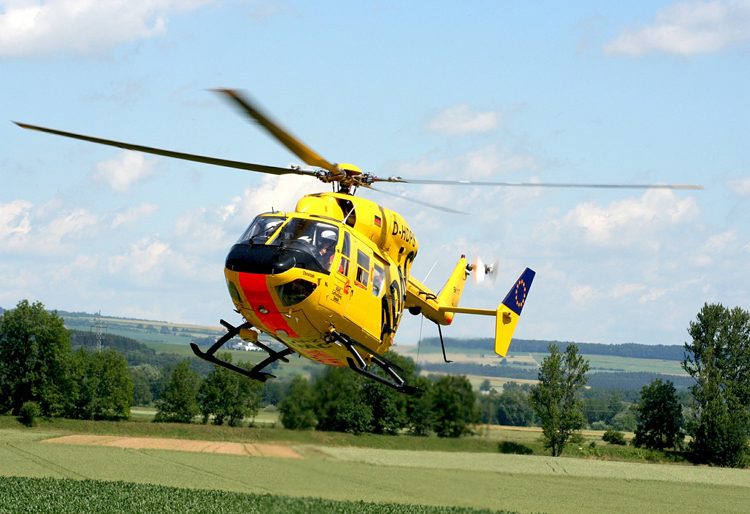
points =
(343, 222)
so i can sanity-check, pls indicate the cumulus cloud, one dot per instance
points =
(133, 215)
(124, 170)
(41, 230)
(461, 119)
(14, 219)
(687, 28)
(623, 221)
(740, 187)
(40, 27)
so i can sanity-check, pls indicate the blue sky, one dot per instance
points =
(636, 92)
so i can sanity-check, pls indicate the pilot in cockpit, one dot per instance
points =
(326, 247)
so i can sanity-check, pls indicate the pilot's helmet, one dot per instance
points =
(272, 226)
(328, 236)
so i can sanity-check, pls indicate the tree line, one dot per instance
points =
(634, 350)
(336, 399)
(633, 380)
(41, 373)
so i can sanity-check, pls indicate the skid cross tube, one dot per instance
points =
(359, 365)
(256, 372)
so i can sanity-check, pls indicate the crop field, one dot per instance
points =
(62, 496)
(614, 363)
(530, 361)
(338, 473)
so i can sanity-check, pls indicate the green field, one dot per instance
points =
(437, 478)
(19, 495)
(530, 361)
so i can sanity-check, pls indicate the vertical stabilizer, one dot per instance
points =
(509, 311)
(451, 293)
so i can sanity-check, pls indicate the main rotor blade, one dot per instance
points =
(273, 170)
(297, 147)
(400, 180)
(420, 202)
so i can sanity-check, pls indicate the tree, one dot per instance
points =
(512, 408)
(387, 405)
(454, 406)
(34, 357)
(99, 386)
(718, 358)
(225, 394)
(342, 406)
(177, 403)
(555, 399)
(297, 409)
(420, 417)
(147, 383)
(660, 418)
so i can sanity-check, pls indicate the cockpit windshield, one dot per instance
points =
(261, 229)
(316, 237)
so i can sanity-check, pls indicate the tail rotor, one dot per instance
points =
(481, 271)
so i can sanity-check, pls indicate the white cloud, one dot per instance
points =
(124, 170)
(740, 187)
(42, 230)
(36, 27)
(687, 28)
(14, 218)
(623, 222)
(134, 215)
(461, 119)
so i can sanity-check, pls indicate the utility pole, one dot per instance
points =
(98, 326)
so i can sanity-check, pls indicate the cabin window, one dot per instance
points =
(363, 268)
(261, 229)
(346, 253)
(378, 274)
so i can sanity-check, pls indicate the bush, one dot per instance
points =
(516, 448)
(614, 437)
(28, 413)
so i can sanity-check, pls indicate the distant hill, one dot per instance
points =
(628, 380)
(632, 350)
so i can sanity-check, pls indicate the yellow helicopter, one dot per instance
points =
(331, 280)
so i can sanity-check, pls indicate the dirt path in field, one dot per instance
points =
(185, 445)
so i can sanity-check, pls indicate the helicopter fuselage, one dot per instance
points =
(336, 264)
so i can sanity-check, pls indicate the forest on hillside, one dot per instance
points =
(632, 350)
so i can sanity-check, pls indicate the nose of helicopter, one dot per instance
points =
(271, 259)
(263, 260)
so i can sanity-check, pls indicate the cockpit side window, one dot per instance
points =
(261, 229)
(346, 253)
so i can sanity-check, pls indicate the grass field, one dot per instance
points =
(434, 478)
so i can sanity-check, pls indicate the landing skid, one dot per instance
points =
(358, 364)
(256, 372)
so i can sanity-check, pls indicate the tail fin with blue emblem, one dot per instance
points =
(509, 311)
(506, 314)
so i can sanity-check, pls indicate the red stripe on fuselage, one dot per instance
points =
(256, 291)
